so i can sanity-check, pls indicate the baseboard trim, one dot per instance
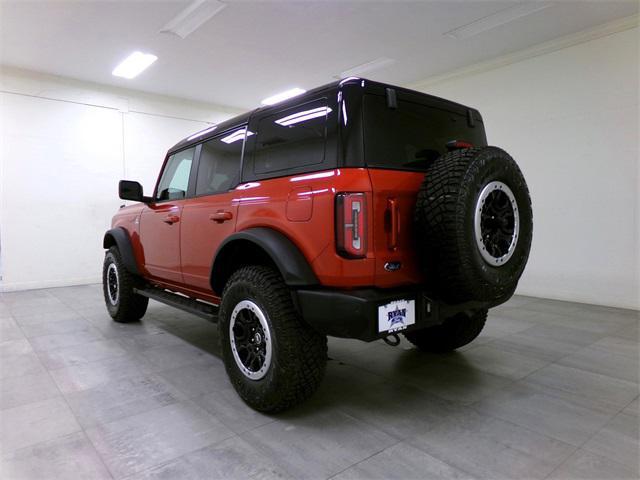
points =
(19, 286)
(577, 298)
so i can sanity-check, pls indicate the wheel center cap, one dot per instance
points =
(257, 338)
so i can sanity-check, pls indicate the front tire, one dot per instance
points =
(273, 360)
(123, 304)
(455, 332)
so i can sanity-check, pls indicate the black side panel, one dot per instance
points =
(292, 265)
(119, 237)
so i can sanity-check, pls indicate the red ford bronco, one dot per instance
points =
(356, 210)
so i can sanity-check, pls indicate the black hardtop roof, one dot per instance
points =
(366, 85)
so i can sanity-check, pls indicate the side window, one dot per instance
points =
(175, 178)
(291, 138)
(219, 167)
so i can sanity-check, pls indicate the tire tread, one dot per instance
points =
(441, 215)
(131, 306)
(302, 360)
(455, 332)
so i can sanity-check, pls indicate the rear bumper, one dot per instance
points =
(354, 313)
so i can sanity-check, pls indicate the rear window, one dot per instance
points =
(410, 136)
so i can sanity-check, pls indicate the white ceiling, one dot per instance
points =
(253, 49)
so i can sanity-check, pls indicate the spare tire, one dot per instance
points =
(474, 225)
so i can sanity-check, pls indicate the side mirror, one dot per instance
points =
(129, 190)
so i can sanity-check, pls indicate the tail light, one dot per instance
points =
(351, 225)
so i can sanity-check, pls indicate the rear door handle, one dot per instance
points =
(221, 216)
(171, 219)
(394, 223)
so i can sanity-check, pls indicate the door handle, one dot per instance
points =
(394, 223)
(221, 216)
(171, 219)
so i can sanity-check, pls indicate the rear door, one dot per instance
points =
(160, 220)
(399, 144)
(210, 216)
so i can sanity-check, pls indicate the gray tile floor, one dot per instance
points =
(549, 390)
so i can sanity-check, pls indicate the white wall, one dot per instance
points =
(570, 119)
(63, 147)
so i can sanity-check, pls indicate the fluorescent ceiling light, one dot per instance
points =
(281, 97)
(134, 65)
(303, 116)
(495, 20)
(202, 132)
(368, 67)
(237, 135)
(193, 17)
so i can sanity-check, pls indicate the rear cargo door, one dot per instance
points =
(394, 197)
(401, 139)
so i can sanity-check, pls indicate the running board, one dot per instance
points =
(196, 307)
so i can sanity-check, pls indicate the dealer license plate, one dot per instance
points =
(396, 315)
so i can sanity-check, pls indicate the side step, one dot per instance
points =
(196, 307)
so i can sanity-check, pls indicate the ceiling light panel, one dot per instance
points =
(134, 65)
(193, 17)
(497, 19)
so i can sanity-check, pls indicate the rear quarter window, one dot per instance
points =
(410, 136)
(291, 140)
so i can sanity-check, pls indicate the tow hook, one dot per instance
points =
(392, 340)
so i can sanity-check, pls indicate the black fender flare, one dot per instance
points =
(286, 256)
(120, 237)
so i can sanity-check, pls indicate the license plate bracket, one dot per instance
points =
(396, 315)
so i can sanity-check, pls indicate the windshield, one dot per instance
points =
(412, 135)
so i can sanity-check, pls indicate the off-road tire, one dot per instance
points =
(130, 306)
(451, 259)
(299, 354)
(455, 332)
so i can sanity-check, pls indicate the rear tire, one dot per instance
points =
(273, 360)
(123, 304)
(455, 332)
